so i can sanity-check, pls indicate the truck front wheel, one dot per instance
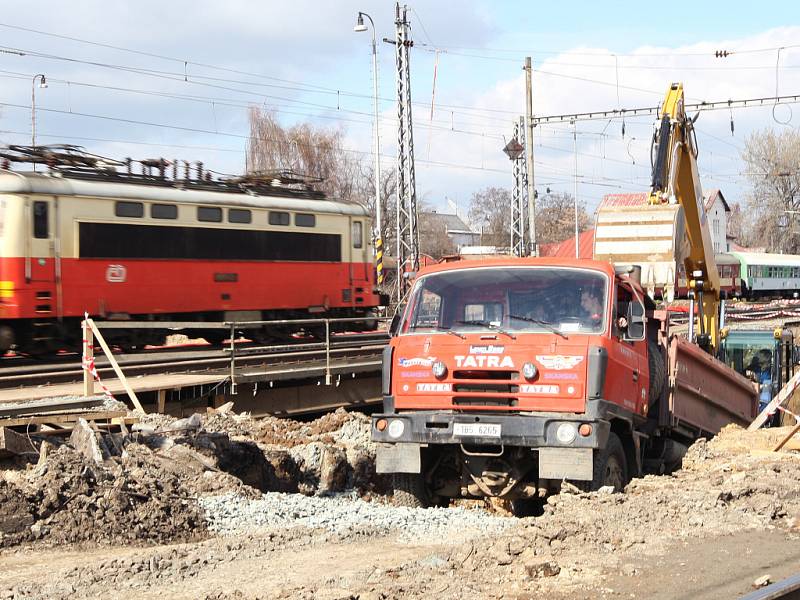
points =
(409, 490)
(610, 467)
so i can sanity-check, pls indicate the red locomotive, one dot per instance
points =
(119, 245)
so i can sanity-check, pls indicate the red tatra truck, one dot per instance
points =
(506, 376)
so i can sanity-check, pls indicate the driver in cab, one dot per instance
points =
(592, 308)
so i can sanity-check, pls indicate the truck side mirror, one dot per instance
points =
(394, 326)
(635, 329)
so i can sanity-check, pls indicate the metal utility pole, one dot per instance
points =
(378, 229)
(407, 232)
(575, 148)
(533, 249)
(519, 199)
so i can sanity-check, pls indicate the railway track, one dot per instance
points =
(67, 369)
(786, 589)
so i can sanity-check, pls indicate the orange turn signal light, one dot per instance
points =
(381, 424)
(585, 430)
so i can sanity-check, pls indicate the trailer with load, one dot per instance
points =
(506, 377)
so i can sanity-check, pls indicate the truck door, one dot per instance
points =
(624, 370)
(40, 259)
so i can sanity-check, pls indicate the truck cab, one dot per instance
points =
(506, 376)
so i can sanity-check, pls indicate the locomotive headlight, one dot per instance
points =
(396, 428)
(439, 369)
(566, 433)
(529, 371)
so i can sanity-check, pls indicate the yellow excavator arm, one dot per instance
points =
(675, 180)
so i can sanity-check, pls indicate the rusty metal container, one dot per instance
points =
(704, 393)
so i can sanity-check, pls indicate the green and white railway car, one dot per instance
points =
(769, 274)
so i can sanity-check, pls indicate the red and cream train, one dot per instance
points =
(151, 248)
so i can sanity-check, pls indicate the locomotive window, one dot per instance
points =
(164, 211)
(40, 226)
(358, 234)
(239, 215)
(129, 209)
(209, 213)
(278, 218)
(305, 220)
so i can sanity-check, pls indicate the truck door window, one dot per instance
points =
(40, 224)
(624, 297)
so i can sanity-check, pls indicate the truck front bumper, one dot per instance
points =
(528, 430)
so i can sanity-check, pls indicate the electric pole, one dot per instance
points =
(533, 246)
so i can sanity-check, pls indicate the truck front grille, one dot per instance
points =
(501, 375)
(495, 388)
(483, 401)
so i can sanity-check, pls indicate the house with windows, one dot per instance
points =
(717, 210)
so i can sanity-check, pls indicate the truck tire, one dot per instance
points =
(658, 372)
(610, 466)
(409, 490)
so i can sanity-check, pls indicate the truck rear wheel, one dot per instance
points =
(610, 467)
(409, 490)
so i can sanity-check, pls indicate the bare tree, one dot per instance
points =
(320, 152)
(490, 213)
(773, 161)
(555, 216)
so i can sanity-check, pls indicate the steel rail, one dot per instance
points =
(785, 589)
(270, 355)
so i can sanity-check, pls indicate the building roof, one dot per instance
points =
(620, 200)
(566, 249)
(450, 223)
(711, 197)
(640, 199)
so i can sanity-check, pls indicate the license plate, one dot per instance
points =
(477, 429)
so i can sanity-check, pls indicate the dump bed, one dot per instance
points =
(704, 394)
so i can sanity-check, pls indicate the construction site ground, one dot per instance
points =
(226, 506)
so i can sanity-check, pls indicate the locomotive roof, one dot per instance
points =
(762, 258)
(14, 182)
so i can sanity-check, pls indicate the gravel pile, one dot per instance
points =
(230, 514)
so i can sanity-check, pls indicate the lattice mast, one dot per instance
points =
(519, 197)
(407, 231)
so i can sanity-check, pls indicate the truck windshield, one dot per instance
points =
(509, 299)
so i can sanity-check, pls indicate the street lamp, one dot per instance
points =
(42, 84)
(359, 27)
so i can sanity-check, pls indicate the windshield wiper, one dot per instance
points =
(546, 324)
(489, 325)
(447, 330)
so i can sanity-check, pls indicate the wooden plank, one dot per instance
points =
(781, 444)
(32, 407)
(782, 396)
(64, 418)
(13, 443)
(161, 401)
(88, 357)
(115, 366)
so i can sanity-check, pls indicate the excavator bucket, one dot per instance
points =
(652, 237)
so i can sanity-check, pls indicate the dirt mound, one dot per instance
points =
(68, 498)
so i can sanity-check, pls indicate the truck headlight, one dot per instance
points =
(529, 371)
(566, 433)
(439, 369)
(396, 428)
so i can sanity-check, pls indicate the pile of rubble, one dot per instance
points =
(144, 484)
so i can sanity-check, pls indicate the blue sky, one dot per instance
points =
(304, 61)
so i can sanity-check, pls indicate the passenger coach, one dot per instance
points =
(159, 249)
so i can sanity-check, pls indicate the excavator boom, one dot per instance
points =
(675, 181)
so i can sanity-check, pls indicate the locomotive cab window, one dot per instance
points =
(129, 209)
(358, 234)
(278, 218)
(239, 215)
(164, 211)
(305, 220)
(40, 220)
(210, 214)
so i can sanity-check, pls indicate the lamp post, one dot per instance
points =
(359, 27)
(42, 84)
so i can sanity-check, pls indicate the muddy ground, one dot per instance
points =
(227, 506)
